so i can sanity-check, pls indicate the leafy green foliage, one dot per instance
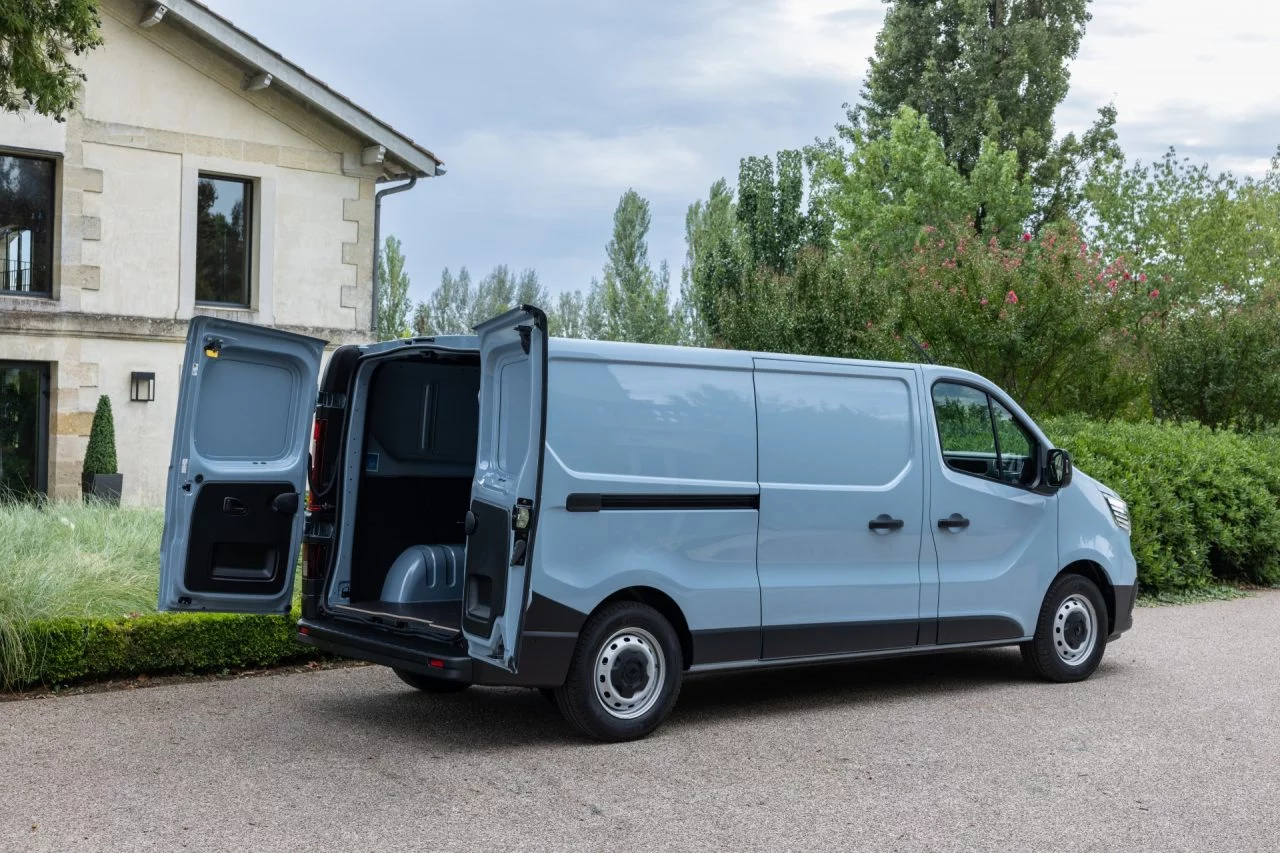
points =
(1193, 232)
(826, 306)
(35, 73)
(985, 73)
(1205, 504)
(887, 188)
(1043, 319)
(100, 455)
(634, 297)
(63, 650)
(1218, 362)
(457, 306)
(393, 293)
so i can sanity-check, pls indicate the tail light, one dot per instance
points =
(317, 456)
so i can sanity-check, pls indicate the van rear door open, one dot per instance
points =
(501, 524)
(233, 510)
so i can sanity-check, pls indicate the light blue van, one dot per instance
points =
(598, 519)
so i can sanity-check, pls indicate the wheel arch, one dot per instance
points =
(1098, 575)
(664, 604)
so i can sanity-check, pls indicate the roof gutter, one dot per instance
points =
(377, 241)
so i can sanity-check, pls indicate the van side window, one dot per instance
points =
(979, 436)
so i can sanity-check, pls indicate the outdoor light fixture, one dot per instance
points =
(142, 387)
(151, 18)
(258, 82)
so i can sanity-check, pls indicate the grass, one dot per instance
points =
(67, 560)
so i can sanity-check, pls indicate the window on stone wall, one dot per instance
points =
(26, 225)
(224, 240)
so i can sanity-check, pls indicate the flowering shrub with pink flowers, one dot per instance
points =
(1050, 321)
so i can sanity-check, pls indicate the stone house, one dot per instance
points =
(202, 173)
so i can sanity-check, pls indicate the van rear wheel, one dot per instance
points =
(1071, 633)
(625, 674)
(429, 683)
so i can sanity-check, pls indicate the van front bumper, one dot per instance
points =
(1125, 598)
(445, 661)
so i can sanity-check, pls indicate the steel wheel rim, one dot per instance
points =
(629, 672)
(1075, 630)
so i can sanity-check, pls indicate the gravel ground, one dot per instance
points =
(1171, 746)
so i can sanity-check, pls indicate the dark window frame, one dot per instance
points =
(1037, 447)
(250, 213)
(54, 226)
(44, 396)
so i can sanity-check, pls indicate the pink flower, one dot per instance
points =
(1011, 298)
(1142, 276)
(982, 301)
(1155, 294)
(924, 345)
(1127, 276)
(1111, 285)
(1026, 236)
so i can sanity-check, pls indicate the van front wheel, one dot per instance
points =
(625, 674)
(1071, 633)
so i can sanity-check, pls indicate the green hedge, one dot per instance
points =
(1205, 503)
(63, 650)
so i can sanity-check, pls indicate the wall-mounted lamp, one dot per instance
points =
(153, 16)
(257, 82)
(142, 387)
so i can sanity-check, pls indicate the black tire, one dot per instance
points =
(1059, 651)
(429, 683)
(548, 693)
(630, 631)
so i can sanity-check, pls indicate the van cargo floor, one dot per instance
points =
(439, 617)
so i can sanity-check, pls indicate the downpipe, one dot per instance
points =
(377, 242)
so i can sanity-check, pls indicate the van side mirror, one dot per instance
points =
(1057, 469)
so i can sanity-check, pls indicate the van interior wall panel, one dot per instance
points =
(419, 448)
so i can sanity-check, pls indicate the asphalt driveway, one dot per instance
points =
(1173, 745)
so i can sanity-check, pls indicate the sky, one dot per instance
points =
(546, 111)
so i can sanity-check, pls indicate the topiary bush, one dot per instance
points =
(1205, 503)
(100, 455)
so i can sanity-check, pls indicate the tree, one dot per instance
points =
(393, 294)
(456, 307)
(1216, 363)
(1191, 231)
(781, 209)
(100, 454)
(635, 298)
(887, 188)
(1049, 322)
(578, 315)
(986, 72)
(35, 38)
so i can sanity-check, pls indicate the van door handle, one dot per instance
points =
(231, 506)
(955, 521)
(885, 522)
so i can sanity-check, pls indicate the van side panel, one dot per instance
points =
(650, 481)
(841, 507)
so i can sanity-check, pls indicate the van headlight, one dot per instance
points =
(1119, 512)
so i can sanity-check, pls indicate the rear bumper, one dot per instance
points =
(417, 654)
(1125, 598)
(543, 661)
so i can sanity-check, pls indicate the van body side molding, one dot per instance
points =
(594, 502)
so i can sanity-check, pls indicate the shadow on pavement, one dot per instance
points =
(501, 718)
